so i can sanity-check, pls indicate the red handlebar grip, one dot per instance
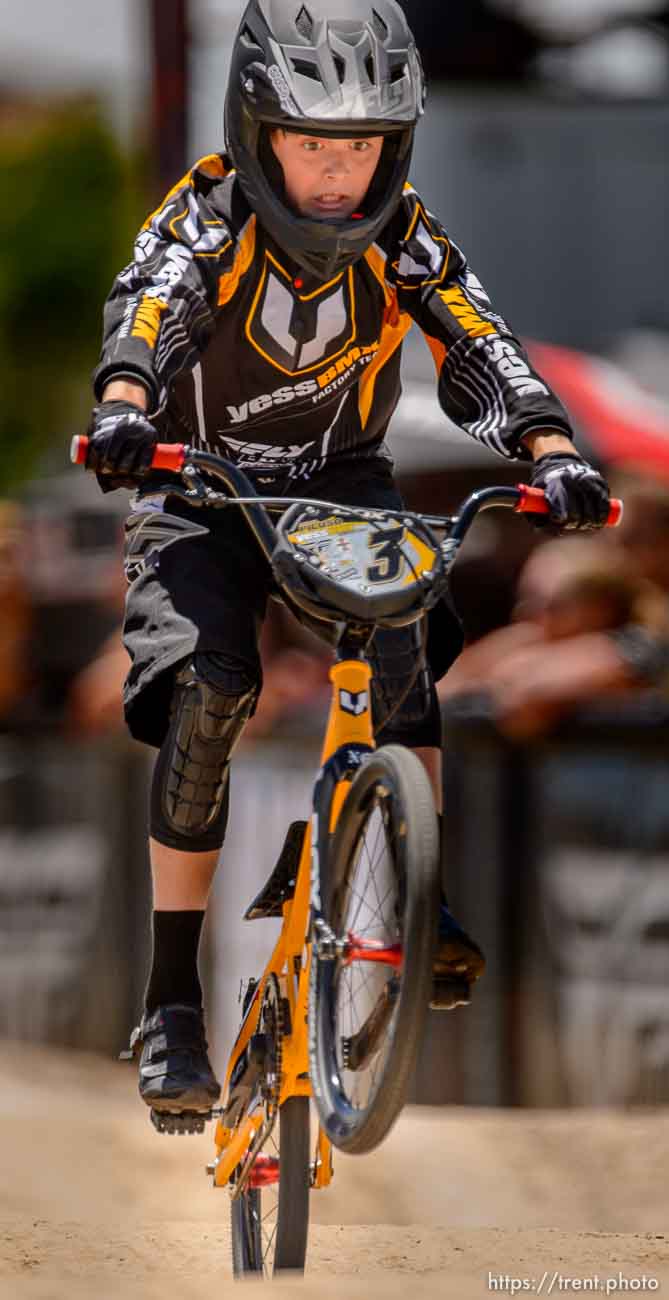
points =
(168, 455)
(78, 449)
(616, 512)
(533, 502)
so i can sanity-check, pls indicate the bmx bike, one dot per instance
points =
(338, 1012)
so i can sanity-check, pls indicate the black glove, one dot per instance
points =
(577, 494)
(121, 444)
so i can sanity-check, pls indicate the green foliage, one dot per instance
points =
(69, 212)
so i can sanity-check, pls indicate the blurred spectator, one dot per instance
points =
(95, 697)
(71, 569)
(592, 618)
(61, 595)
(644, 533)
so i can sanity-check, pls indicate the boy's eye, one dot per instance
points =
(315, 146)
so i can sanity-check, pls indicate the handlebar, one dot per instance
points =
(181, 459)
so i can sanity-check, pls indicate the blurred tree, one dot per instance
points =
(71, 205)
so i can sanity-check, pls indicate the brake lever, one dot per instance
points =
(199, 493)
(196, 494)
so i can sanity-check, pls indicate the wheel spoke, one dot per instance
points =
(270, 1243)
(366, 910)
(371, 866)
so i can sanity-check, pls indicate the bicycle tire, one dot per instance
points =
(394, 780)
(253, 1250)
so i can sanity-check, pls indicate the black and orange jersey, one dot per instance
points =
(246, 355)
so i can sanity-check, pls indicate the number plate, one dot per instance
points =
(373, 554)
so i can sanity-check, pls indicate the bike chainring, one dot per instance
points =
(271, 1023)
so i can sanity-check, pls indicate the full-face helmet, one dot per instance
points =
(341, 68)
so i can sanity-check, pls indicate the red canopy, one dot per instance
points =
(624, 425)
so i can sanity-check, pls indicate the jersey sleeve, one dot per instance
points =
(160, 313)
(487, 384)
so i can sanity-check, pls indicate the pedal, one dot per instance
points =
(186, 1121)
(449, 993)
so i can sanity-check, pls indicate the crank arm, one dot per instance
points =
(358, 1050)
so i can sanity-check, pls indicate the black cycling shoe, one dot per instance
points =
(174, 1070)
(458, 963)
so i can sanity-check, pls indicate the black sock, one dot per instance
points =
(174, 975)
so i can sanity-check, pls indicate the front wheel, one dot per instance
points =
(270, 1219)
(370, 991)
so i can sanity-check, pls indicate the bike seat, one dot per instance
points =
(281, 885)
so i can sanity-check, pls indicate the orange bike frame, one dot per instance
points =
(349, 723)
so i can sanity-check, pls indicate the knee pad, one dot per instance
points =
(213, 699)
(397, 654)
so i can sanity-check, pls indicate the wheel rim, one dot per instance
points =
(365, 987)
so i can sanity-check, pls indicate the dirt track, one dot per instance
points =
(94, 1204)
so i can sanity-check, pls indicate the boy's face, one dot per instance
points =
(326, 178)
